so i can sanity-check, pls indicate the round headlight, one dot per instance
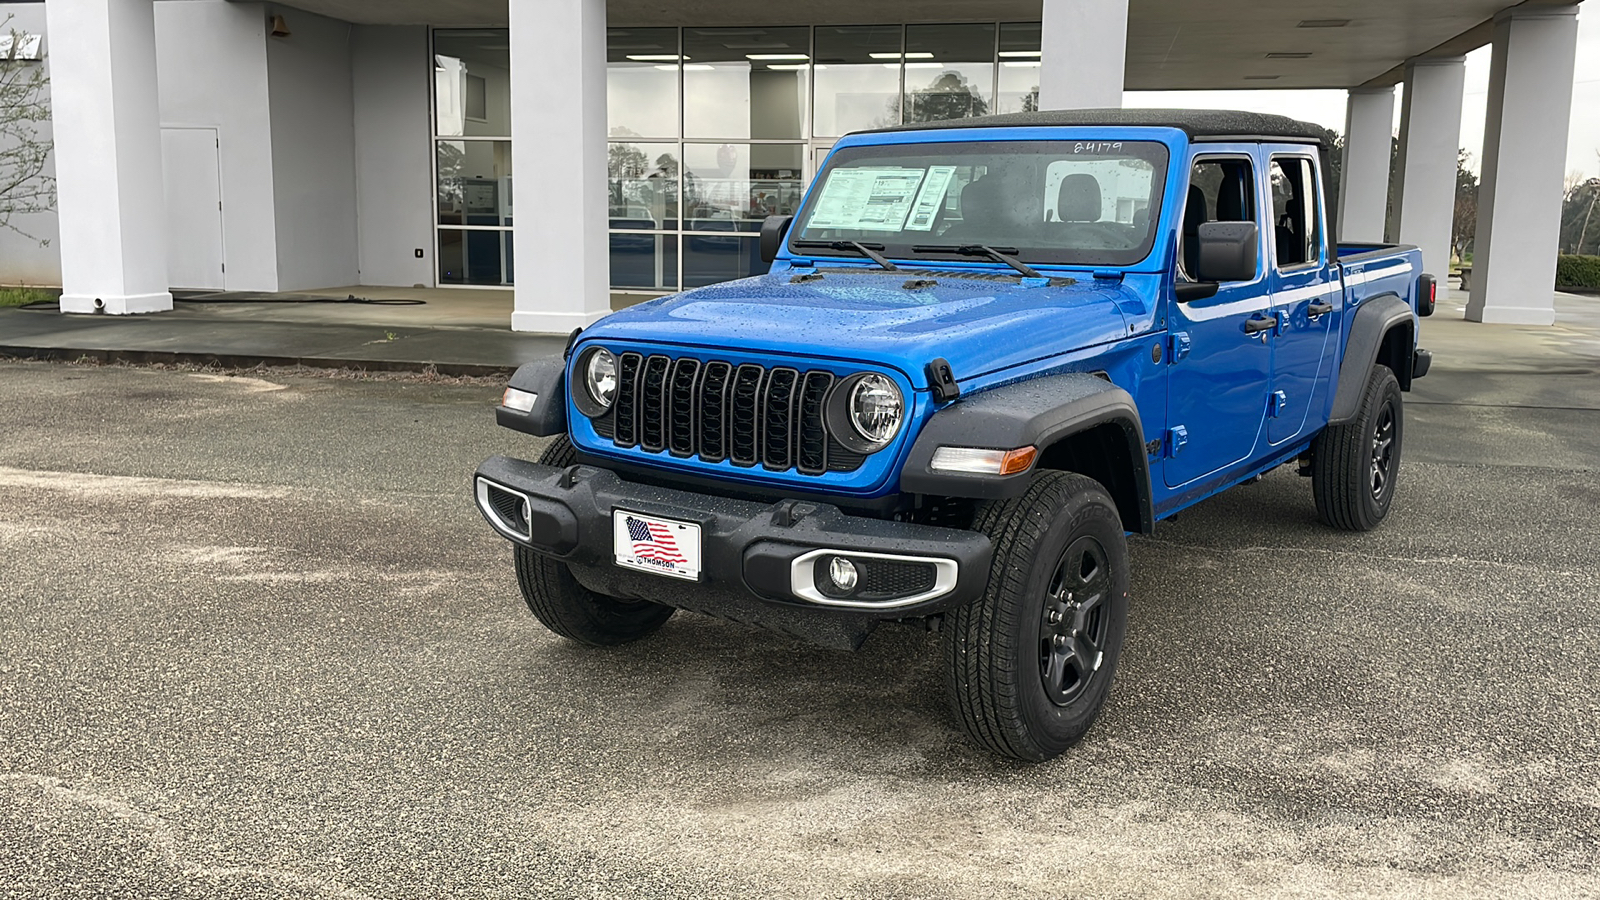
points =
(876, 408)
(600, 377)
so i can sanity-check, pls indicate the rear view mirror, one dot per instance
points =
(773, 231)
(1228, 251)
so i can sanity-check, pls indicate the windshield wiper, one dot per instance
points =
(998, 254)
(870, 251)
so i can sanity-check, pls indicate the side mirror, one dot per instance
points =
(773, 231)
(1228, 251)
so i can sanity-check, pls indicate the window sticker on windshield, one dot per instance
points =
(930, 197)
(866, 199)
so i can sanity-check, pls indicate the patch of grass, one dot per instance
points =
(22, 296)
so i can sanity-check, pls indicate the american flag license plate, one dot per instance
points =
(661, 546)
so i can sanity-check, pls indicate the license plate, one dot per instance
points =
(659, 546)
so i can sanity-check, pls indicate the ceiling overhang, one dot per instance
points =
(1172, 44)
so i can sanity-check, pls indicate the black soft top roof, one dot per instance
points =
(1198, 124)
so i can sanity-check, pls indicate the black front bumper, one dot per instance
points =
(748, 549)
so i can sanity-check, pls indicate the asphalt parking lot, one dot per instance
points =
(257, 642)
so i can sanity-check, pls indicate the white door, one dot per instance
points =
(192, 172)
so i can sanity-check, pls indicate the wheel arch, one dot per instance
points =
(1384, 331)
(1079, 422)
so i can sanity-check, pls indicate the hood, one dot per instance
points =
(979, 324)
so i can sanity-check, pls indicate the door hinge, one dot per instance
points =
(1276, 403)
(1177, 437)
(1178, 345)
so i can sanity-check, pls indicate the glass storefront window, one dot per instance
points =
(642, 82)
(474, 182)
(711, 258)
(745, 83)
(642, 186)
(472, 82)
(1019, 68)
(949, 72)
(643, 261)
(857, 78)
(478, 257)
(732, 187)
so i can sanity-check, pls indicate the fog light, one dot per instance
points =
(843, 574)
(521, 401)
(527, 513)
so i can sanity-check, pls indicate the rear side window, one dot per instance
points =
(1296, 235)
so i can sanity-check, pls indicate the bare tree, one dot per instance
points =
(24, 186)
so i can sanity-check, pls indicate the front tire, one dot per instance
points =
(568, 608)
(1028, 665)
(1355, 466)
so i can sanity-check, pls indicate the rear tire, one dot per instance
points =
(1029, 664)
(1355, 466)
(568, 608)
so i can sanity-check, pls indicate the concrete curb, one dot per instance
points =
(250, 361)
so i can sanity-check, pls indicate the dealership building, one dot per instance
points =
(245, 146)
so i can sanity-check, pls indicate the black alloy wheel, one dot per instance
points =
(1383, 446)
(1073, 621)
(1355, 466)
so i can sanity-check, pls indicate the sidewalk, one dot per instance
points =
(456, 332)
(466, 332)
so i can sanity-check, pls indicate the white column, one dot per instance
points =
(1085, 44)
(109, 196)
(1524, 153)
(1364, 172)
(1425, 169)
(558, 152)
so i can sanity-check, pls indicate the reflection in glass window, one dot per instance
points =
(472, 82)
(949, 72)
(642, 82)
(857, 78)
(642, 185)
(711, 258)
(732, 187)
(641, 261)
(745, 82)
(474, 182)
(1019, 68)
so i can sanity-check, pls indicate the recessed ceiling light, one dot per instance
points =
(915, 54)
(1289, 55)
(766, 57)
(787, 67)
(1021, 64)
(1021, 53)
(654, 57)
(1323, 23)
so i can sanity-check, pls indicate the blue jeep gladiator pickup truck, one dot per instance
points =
(986, 352)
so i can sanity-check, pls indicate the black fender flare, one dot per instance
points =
(1373, 321)
(546, 378)
(1041, 412)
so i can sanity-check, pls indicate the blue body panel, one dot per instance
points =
(1237, 404)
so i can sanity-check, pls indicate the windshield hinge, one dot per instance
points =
(1108, 275)
(942, 381)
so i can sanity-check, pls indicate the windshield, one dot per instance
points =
(1061, 202)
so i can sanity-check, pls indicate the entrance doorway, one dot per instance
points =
(192, 174)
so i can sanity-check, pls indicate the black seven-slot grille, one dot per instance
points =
(747, 414)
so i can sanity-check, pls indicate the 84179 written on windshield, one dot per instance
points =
(1083, 202)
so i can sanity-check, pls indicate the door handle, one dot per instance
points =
(1319, 309)
(1258, 324)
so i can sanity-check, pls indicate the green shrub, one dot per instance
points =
(22, 296)
(1578, 271)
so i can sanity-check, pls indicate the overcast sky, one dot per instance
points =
(1327, 107)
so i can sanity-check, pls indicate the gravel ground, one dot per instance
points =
(256, 642)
